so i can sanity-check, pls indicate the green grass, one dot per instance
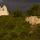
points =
(14, 28)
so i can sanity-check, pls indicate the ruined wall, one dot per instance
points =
(3, 10)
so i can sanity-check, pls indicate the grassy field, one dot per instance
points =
(15, 28)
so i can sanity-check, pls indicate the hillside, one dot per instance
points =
(14, 28)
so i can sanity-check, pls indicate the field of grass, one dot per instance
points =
(15, 28)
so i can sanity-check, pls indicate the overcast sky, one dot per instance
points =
(23, 5)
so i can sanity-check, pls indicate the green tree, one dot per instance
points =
(34, 10)
(17, 13)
